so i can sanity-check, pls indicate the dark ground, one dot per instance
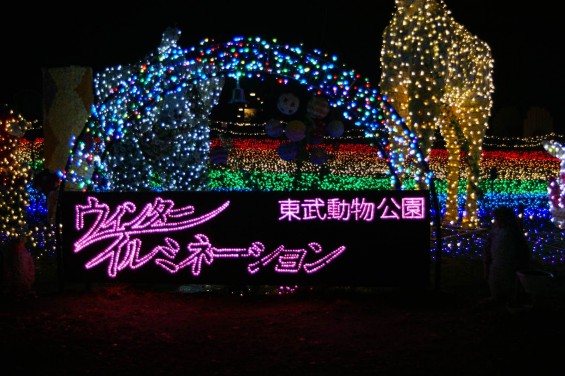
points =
(163, 330)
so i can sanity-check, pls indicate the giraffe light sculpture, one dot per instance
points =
(438, 76)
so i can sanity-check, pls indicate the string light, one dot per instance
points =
(522, 178)
(155, 99)
(439, 76)
(23, 211)
(150, 131)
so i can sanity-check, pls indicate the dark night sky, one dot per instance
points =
(524, 39)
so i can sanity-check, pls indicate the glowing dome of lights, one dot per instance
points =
(150, 122)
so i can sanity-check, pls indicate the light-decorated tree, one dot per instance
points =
(149, 128)
(15, 174)
(439, 77)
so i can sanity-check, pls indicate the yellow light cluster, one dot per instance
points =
(15, 173)
(439, 76)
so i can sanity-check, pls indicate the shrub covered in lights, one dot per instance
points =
(23, 210)
(15, 170)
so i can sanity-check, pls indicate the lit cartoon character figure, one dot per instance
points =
(556, 188)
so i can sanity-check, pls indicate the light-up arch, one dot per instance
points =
(172, 82)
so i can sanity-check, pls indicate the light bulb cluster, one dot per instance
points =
(522, 177)
(439, 76)
(149, 130)
(15, 172)
(22, 207)
(146, 123)
(253, 164)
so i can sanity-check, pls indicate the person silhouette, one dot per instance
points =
(506, 252)
(18, 269)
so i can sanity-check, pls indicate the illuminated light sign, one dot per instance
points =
(361, 238)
